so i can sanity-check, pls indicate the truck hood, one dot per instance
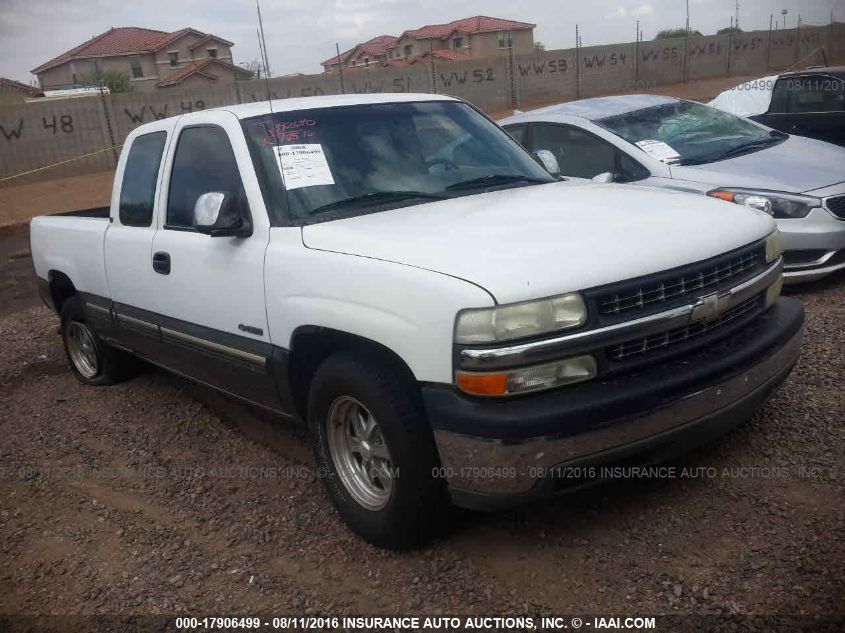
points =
(797, 165)
(532, 242)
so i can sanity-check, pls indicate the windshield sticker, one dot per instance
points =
(303, 165)
(288, 131)
(660, 150)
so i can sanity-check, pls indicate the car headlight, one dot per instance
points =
(520, 320)
(777, 204)
(774, 246)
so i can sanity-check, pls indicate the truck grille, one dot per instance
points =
(688, 332)
(655, 290)
(836, 205)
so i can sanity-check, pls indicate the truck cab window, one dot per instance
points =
(137, 192)
(204, 162)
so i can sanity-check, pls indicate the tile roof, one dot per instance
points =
(445, 53)
(197, 68)
(11, 84)
(376, 46)
(121, 41)
(476, 24)
(210, 38)
(425, 57)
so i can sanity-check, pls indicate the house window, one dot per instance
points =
(505, 40)
(458, 42)
(409, 50)
(174, 58)
(366, 61)
(382, 58)
(212, 52)
(137, 71)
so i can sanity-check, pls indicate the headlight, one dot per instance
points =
(775, 203)
(512, 382)
(519, 320)
(774, 246)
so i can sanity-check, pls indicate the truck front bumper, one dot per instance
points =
(497, 453)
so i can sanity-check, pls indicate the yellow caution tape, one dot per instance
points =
(62, 162)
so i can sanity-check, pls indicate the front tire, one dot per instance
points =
(92, 360)
(375, 451)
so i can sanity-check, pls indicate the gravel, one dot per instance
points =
(160, 497)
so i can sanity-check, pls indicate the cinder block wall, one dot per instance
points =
(34, 135)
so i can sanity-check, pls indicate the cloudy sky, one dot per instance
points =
(300, 34)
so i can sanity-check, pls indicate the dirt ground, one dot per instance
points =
(160, 497)
(20, 203)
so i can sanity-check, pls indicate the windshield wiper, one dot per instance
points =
(377, 197)
(735, 151)
(493, 180)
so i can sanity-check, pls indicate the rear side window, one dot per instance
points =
(808, 94)
(137, 193)
(204, 162)
(517, 132)
(584, 155)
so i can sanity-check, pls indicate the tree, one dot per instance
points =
(667, 34)
(539, 46)
(115, 80)
(255, 68)
(729, 30)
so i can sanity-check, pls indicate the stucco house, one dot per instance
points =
(151, 59)
(468, 38)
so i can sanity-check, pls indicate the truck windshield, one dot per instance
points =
(698, 134)
(337, 162)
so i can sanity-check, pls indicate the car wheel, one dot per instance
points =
(92, 360)
(375, 451)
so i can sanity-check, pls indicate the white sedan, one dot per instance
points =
(675, 144)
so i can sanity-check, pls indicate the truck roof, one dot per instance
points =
(247, 110)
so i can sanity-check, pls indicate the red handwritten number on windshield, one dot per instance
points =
(288, 131)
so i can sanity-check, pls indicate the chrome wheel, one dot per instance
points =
(360, 453)
(82, 349)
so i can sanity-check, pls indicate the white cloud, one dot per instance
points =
(616, 14)
(645, 9)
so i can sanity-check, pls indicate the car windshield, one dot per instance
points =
(694, 133)
(324, 163)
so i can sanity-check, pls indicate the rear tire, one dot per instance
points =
(375, 451)
(93, 361)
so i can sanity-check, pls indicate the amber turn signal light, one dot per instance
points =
(482, 384)
(728, 196)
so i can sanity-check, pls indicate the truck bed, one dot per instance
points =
(73, 244)
(94, 212)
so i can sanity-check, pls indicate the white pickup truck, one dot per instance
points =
(451, 321)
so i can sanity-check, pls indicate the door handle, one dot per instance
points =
(161, 263)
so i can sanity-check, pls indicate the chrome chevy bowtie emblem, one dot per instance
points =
(707, 308)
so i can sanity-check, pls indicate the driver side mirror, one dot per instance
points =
(548, 161)
(219, 215)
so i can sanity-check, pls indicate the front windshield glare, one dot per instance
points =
(357, 159)
(697, 133)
